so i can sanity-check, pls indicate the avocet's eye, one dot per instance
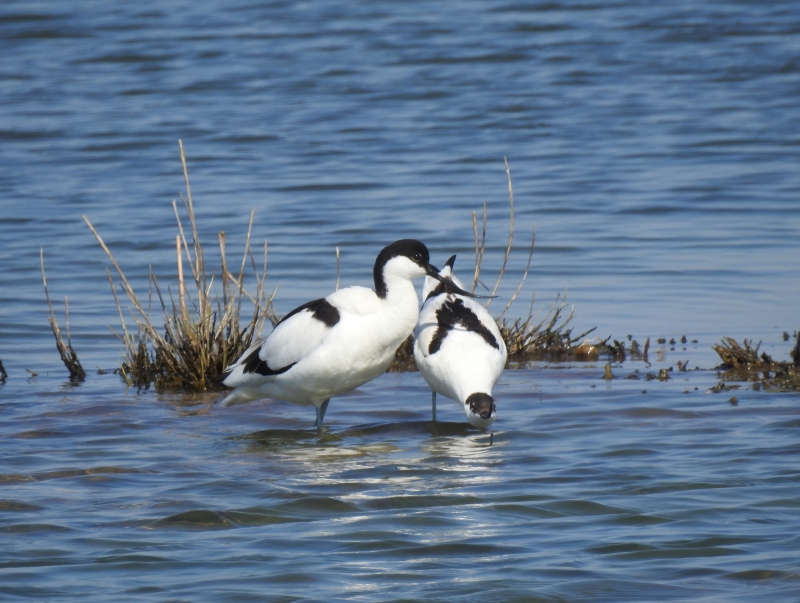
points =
(417, 257)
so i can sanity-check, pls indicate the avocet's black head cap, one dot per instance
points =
(417, 253)
(410, 248)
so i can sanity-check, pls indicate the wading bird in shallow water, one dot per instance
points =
(458, 348)
(332, 345)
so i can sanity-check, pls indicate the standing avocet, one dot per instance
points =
(332, 345)
(458, 348)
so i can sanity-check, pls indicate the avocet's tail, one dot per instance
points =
(240, 380)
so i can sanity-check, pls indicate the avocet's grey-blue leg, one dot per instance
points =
(433, 405)
(321, 412)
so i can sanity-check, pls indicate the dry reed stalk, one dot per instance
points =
(510, 235)
(479, 249)
(522, 280)
(525, 338)
(181, 285)
(65, 350)
(226, 286)
(201, 334)
(338, 267)
(480, 246)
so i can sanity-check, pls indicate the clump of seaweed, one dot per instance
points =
(735, 356)
(743, 363)
(201, 334)
(68, 355)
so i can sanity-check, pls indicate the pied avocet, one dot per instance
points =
(458, 348)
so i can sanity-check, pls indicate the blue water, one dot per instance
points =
(654, 148)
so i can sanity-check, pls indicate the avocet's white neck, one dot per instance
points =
(399, 295)
(400, 291)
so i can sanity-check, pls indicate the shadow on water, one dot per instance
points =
(289, 437)
(413, 428)
(304, 509)
(360, 440)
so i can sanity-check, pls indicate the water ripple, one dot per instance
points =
(654, 147)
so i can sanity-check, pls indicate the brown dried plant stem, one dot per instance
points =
(525, 338)
(510, 234)
(65, 350)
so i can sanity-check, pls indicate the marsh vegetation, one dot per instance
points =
(181, 338)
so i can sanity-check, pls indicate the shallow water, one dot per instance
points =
(653, 147)
(586, 490)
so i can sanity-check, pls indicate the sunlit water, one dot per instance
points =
(655, 149)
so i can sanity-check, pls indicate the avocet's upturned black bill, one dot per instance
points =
(448, 284)
(332, 345)
(458, 348)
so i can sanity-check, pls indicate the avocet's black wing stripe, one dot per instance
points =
(451, 314)
(254, 364)
(285, 348)
(321, 309)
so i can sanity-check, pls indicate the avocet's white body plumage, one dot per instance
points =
(458, 349)
(331, 346)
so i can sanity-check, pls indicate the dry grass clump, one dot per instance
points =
(201, 333)
(549, 338)
(743, 363)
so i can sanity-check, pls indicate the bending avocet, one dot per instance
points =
(458, 348)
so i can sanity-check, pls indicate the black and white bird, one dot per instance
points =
(458, 348)
(332, 345)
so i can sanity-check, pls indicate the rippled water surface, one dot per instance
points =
(654, 147)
